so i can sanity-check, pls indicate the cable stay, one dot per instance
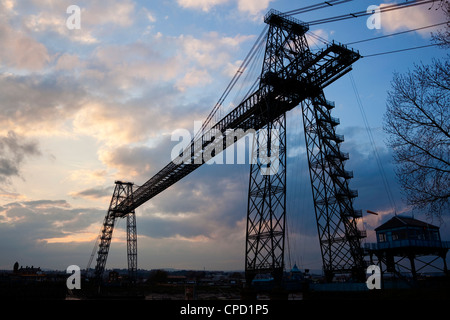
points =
(209, 122)
(400, 50)
(325, 4)
(374, 147)
(363, 13)
(396, 33)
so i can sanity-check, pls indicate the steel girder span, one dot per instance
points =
(291, 75)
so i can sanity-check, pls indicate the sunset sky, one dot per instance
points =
(82, 108)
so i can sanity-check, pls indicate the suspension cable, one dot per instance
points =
(232, 83)
(359, 14)
(374, 147)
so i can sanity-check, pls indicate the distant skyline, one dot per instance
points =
(81, 108)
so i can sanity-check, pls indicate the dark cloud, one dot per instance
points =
(157, 227)
(13, 151)
(42, 204)
(26, 227)
(38, 102)
(94, 193)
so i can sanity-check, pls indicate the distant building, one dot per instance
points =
(295, 273)
(32, 284)
(27, 271)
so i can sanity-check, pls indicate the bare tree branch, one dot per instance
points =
(417, 120)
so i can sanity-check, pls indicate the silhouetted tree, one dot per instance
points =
(418, 124)
(442, 37)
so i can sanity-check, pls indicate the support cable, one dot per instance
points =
(374, 147)
(359, 14)
(317, 6)
(233, 82)
(396, 34)
(400, 50)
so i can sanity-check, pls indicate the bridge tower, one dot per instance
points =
(291, 75)
(266, 211)
(286, 56)
(122, 191)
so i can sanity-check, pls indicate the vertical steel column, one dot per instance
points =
(267, 203)
(121, 191)
(132, 246)
(339, 236)
(266, 210)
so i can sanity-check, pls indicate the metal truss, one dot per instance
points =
(132, 246)
(409, 262)
(285, 83)
(286, 53)
(285, 49)
(339, 236)
(122, 190)
(267, 203)
(291, 74)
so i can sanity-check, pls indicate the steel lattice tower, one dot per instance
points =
(266, 210)
(267, 203)
(132, 246)
(291, 75)
(339, 236)
(122, 191)
(286, 50)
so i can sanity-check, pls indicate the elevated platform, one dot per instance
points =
(403, 239)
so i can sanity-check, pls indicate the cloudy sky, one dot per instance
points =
(81, 108)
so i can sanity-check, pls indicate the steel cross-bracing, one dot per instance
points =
(339, 236)
(291, 75)
(286, 48)
(267, 204)
(122, 190)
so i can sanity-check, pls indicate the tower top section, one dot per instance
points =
(286, 22)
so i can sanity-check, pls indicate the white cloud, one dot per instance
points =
(20, 51)
(107, 123)
(115, 12)
(194, 78)
(68, 62)
(150, 15)
(55, 21)
(204, 5)
(134, 65)
(231, 68)
(7, 4)
(94, 15)
(411, 18)
(253, 7)
(212, 50)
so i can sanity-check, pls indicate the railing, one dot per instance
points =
(407, 243)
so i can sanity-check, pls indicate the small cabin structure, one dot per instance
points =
(401, 232)
(405, 238)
